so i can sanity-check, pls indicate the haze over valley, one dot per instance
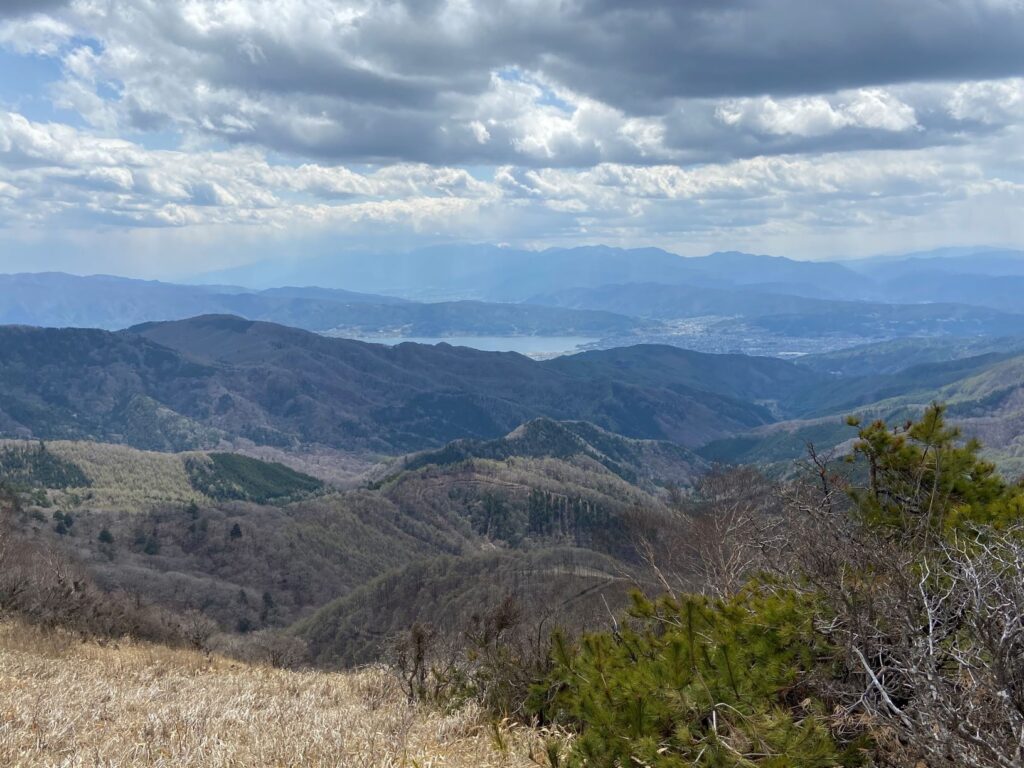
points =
(591, 297)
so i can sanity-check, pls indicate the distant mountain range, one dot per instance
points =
(493, 273)
(113, 303)
(617, 297)
(220, 380)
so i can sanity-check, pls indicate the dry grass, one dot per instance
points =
(68, 703)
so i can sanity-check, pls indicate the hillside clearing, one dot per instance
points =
(69, 703)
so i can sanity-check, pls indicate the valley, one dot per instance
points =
(153, 456)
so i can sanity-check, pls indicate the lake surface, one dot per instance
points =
(533, 346)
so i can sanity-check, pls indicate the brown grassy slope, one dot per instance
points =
(68, 703)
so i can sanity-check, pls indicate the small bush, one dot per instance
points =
(695, 682)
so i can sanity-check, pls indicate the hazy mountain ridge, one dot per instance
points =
(891, 357)
(725, 301)
(508, 274)
(984, 394)
(921, 312)
(111, 303)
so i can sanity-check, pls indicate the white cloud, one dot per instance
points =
(39, 35)
(869, 108)
(993, 101)
(58, 177)
(64, 172)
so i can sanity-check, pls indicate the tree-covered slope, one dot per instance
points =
(640, 462)
(984, 394)
(571, 587)
(189, 384)
(227, 542)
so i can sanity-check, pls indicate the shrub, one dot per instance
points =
(923, 479)
(695, 682)
(918, 580)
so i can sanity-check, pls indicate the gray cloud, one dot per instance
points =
(644, 82)
(748, 47)
(12, 8)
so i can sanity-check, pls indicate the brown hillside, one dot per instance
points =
(68, 703)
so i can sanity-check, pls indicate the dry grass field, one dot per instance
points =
(68, 703)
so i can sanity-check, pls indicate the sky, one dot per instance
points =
(165, 138)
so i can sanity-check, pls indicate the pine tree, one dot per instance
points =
(923, 480)
(695, 682)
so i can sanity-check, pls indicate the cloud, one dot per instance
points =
(789, 47)
(818, 116)
(671, 123)
(527, 82)
(56, 178)
(64, 176)
(992, 102)
(39, 35)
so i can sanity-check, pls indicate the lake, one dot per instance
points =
(533, 346)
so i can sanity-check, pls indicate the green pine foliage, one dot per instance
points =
(33, 466)
(741, 681)
(233, 477)
(695, 682)
(922, 476)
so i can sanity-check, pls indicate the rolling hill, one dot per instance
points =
(106, 476)
(640, 462)
(984, 395)
(917, 311)
(189, 384)
(890, 357)
(578, 586)
(254, 545)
